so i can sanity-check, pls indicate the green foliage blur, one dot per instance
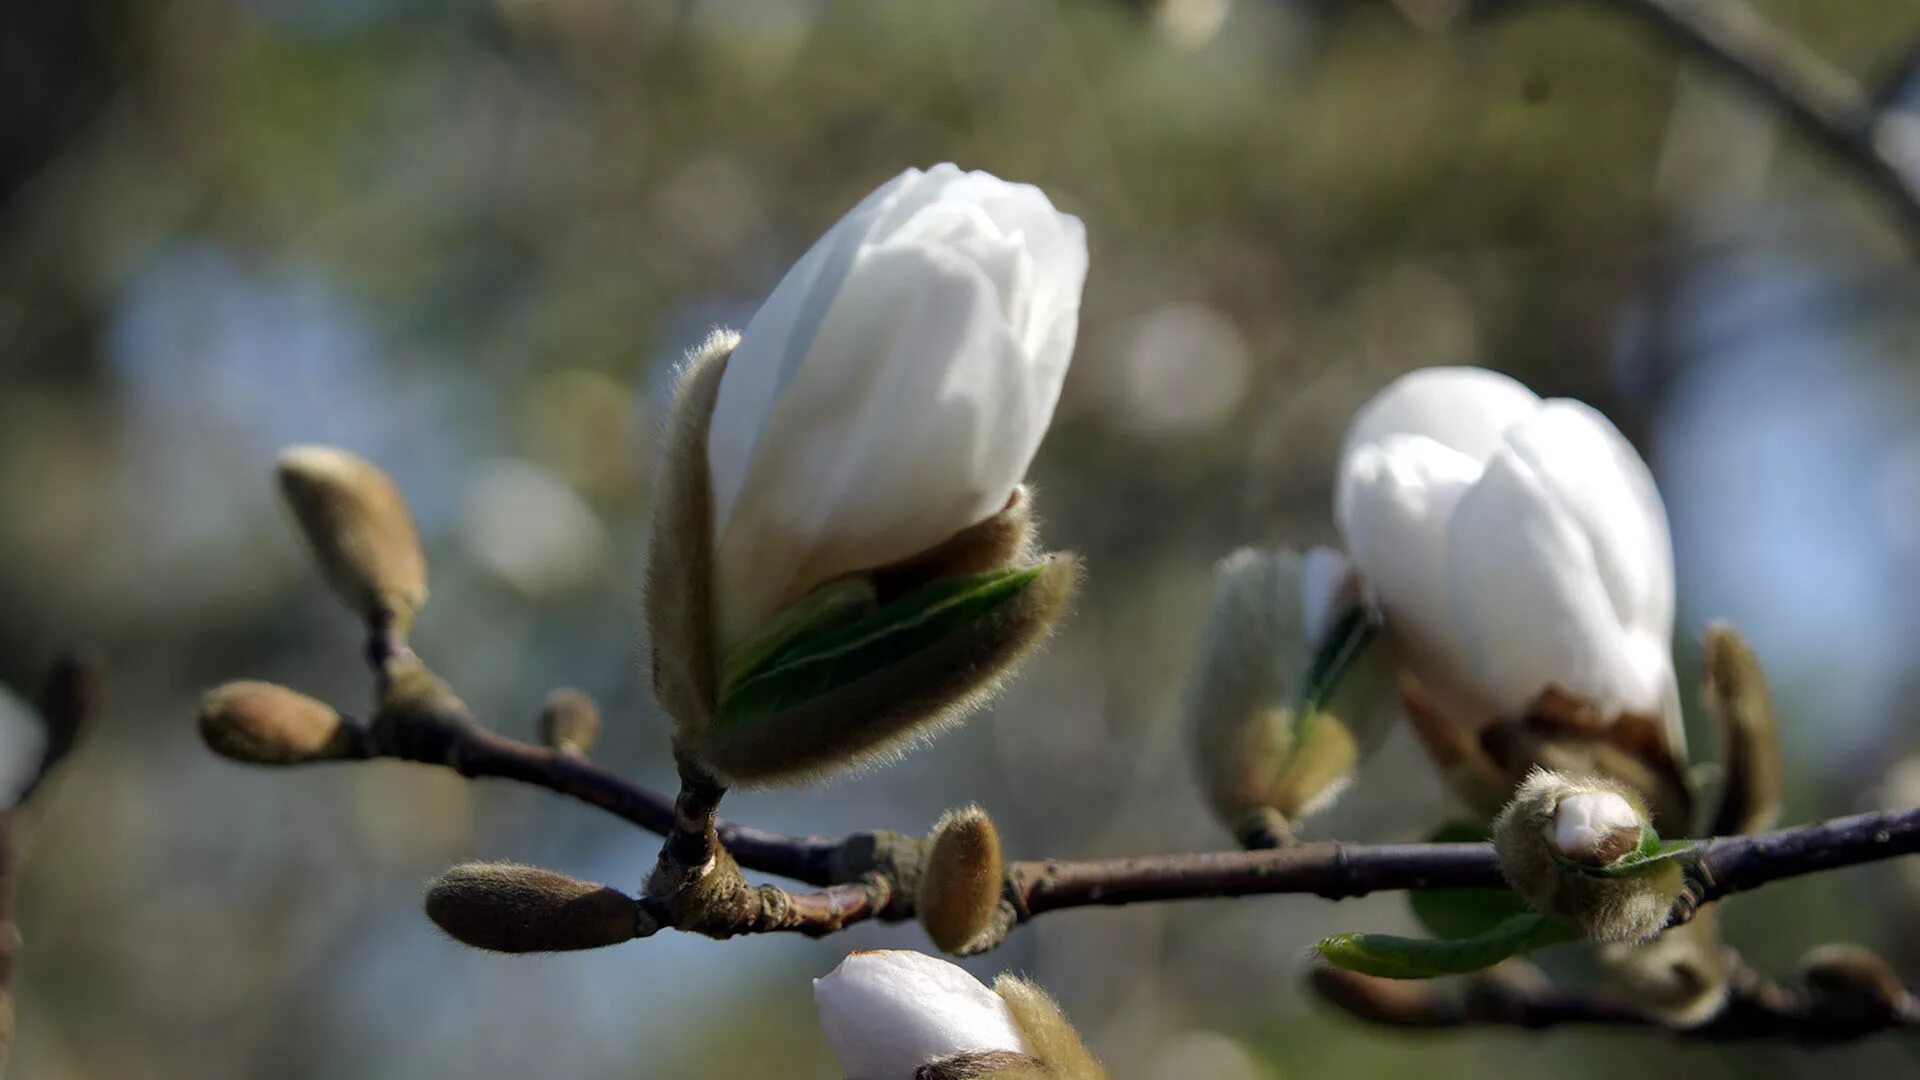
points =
(469, 240)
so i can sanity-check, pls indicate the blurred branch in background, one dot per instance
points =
(1820, 1011)
(69, 696)
(1826, 103)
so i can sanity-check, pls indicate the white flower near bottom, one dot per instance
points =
(885, 1013)
(1513, 544)
(893, 389)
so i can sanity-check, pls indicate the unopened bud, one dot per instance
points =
(1048, 1034)
(1266, 755)
(570, 721)
(961, 882)
(359, 529)
(265, 724)
(507, 908)
(1572, 846)
(1854, 976)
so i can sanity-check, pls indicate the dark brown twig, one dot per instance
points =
(1332, 870)
(1824, 102)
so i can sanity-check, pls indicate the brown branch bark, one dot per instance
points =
(1824, 102)
(852, 866)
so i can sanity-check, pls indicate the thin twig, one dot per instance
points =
(1826, 103)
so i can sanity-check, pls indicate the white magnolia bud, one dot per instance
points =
(893, 388)
(1513, 545)
(886, 1013)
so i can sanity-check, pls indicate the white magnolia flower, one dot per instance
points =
(893, 389)
(1513, 544)
(888, 1012)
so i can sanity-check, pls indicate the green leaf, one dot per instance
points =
(1463, 913)
(1458, 914)
(821, 656)
(1333, 656)
(1391, 957)
(830, 606)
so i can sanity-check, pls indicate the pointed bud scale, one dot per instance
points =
(1566, 844)
(1734, 687)
(1047, 1032)
(359, 529)
(961, 881)
(569, 722)
(858, 691)
(679, 555)
(506, 908)
(264, 724)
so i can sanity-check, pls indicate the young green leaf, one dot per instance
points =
(1334, 655)
(1392, 957)
(818, 659)
(828, 607)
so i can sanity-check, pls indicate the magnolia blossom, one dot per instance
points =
(893, 388)
(888, 1012)
(1513, 544)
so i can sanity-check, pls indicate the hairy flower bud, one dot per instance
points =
(893, 388)
(961, 881)
(842, 556)
(569, 721)
(507, 908)
(1257, 754)
(1577, 847)
(265, 724)
(359, 529)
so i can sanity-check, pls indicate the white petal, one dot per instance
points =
(1599, 480)
(1400, 495)
(915, 414)
(887, 1013)
(1529, 604)
(776, 340)
(1464, 408)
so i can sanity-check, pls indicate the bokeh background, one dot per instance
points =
(470, 239)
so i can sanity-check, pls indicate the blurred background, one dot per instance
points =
(469, 239)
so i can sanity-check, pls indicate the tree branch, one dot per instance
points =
(1823, 101)
(860, 866)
